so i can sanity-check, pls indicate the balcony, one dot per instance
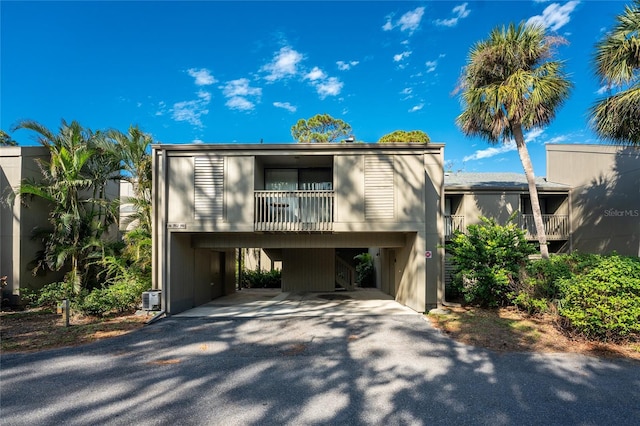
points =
(294, 211)
(453, 223)
(555, 226)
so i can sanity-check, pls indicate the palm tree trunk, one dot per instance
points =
(533, 191)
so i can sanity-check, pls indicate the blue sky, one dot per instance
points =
(227, 72)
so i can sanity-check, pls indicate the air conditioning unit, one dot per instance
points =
(151, 300)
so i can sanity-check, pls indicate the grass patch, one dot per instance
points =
(511, 330)
(39, 329)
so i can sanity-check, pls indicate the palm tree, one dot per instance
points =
(510, 85)
(617, 117)
(73, 183)
(132, 149)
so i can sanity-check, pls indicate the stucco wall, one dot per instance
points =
(605, 195)
(310, 269)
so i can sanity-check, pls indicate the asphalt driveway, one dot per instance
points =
(369, 370)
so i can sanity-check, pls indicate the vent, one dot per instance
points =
(151, 301)
(209, 186)
(378, 188)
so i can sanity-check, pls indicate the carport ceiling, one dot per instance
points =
(252, 240)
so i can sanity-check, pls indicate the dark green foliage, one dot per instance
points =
(122, 296)
(260, 279)
(487, 261)
(365, 273)
(604, 301)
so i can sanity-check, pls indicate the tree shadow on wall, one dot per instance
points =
(606, 211)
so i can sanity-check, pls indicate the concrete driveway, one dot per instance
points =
(324, 370)
(273, 303)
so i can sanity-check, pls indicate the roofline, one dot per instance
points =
(504, 188)
(301, 147)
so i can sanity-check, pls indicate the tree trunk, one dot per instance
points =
(533, 191)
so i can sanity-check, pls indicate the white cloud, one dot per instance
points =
(239, 103)
(601, 91)
(410, 21)
(431, 66)
(554, 16)
(459, 12)
(330, 87)
(238, 91)
(240, 87)
(203, 76)
(491, 152)
(284, 64)
(345, 66)
(285, 105)
(315, 74)
(199, 141)
(401, 56)
(557, 139)
(192, 111)
(416, 108)
(530, 137)
(406, 91)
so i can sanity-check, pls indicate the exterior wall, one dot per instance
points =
(605, 195)
(308, 269)
(17, 249)
(498, 205)
(411, 227)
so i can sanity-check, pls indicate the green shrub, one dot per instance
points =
(260, 279)
(487, 261)
(52, 294)
(122, 296)
(365, 273)
(604, 302)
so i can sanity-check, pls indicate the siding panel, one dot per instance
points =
(209, 185)
(379, 202)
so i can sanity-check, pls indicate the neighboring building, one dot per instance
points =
(470, 196)
(304, 204)
(17, 222)
(605, 195)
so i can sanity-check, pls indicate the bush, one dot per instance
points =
(487, 261)
(604, 302)
(365, 273)
(123, 296)
(48, 296)
(260, 279)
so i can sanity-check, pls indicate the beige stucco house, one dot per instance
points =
(470, 196)
(302, 204)
(17, 222)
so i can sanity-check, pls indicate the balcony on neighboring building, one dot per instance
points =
(556, 226)
(294, 211)
(453, 223)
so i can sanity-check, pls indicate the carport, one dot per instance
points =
(202, 266)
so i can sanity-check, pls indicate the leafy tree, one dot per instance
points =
(5, 139)
(73, 183)
(403, 136)
(617, 117)
(510, 85)
(132, 149)
(320, 128)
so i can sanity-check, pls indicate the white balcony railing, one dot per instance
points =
(556, 226)
(293, 210)
(453, 223)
